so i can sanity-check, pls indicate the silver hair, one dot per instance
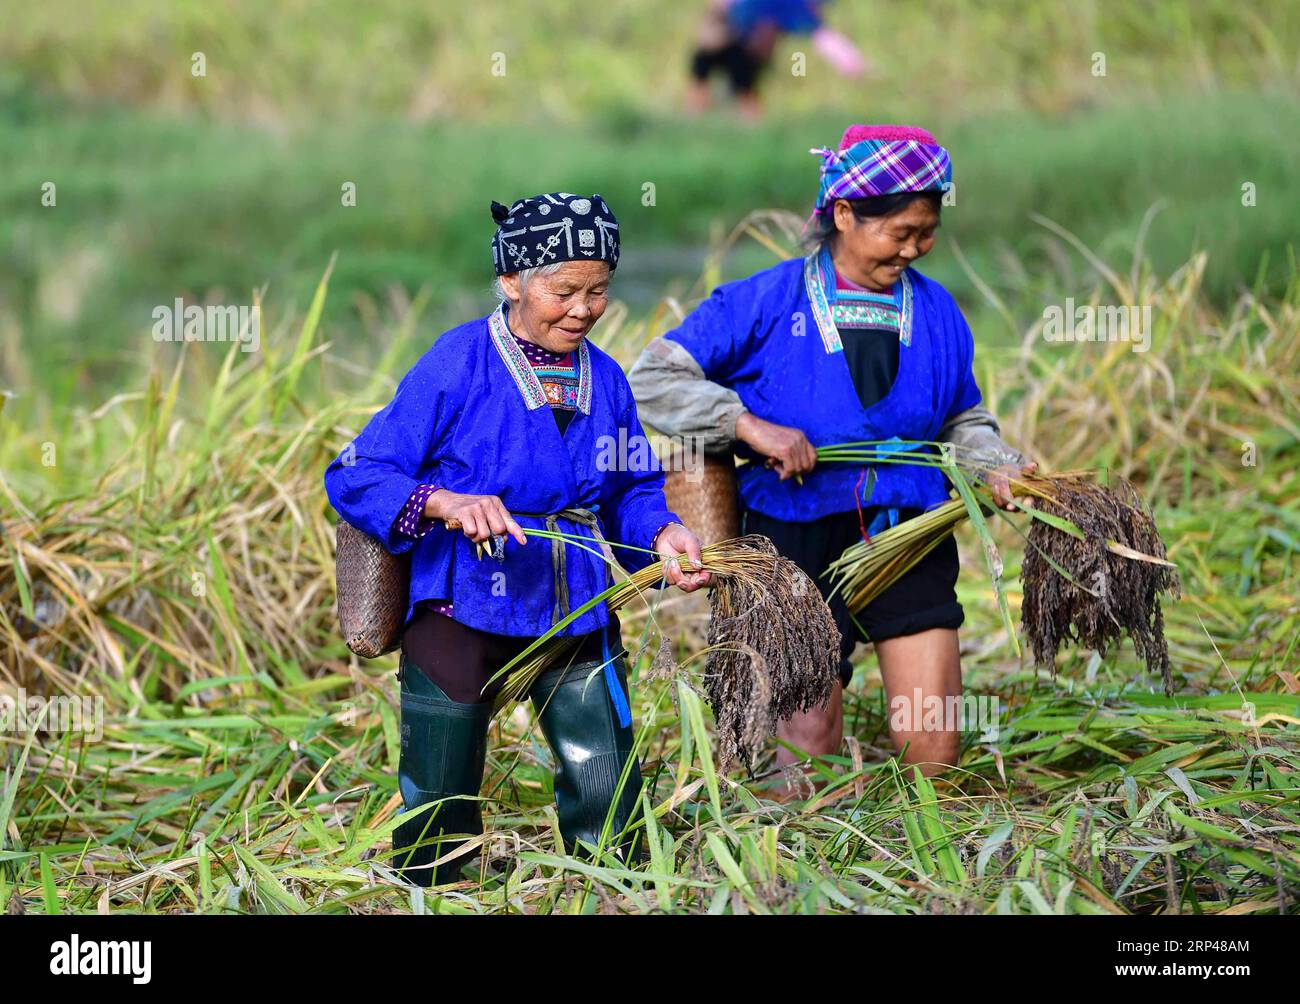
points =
(525, 275)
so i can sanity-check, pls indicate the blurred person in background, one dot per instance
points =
(738, 38)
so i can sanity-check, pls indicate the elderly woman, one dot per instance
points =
(499, 428)
(849, 344)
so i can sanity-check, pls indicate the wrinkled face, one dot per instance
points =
(558, 310)
(873, 252)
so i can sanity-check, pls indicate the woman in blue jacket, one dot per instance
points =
(504, 425)
(849, 344)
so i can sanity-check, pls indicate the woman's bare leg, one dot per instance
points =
(814, 733)
(698, 97)
(928, 662)
(749, 106)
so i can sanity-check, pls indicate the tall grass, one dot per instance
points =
(176, 560)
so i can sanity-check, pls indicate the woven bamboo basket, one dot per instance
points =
(373, 589)
(707, 504)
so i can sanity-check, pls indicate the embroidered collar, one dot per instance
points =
(541, 357)
(819, 282)
(522, 371)
(858, 308)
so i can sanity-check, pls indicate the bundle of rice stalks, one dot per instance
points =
(1093, 586)
(773, 646)
(773, 650)
(1094, 568)
(881, 560)
(867, 568)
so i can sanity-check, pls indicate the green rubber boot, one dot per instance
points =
(581, 726)
(444, 746)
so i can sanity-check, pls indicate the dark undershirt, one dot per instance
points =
(870, 351)
(563, 416)
(872, 358)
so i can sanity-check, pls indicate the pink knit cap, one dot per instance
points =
(886, 133)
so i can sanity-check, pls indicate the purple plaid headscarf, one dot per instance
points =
(881, 160)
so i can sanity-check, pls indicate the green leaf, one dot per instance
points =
(990, 847)
(305, 338)
(991, 555)
(48, 889)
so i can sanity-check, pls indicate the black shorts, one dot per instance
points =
(741, 66)
(924, 597)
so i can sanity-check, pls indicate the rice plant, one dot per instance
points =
(175, 563)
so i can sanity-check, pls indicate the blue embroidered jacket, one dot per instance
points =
(771, 338)
(472, 417)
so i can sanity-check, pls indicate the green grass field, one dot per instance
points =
(165, 209)
(569, 61)
(212, 187)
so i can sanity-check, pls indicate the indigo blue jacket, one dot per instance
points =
(472, 417)
(772, 339)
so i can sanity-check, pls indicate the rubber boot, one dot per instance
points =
(444, 746)
(591, 748)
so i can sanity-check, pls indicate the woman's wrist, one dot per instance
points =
(433, 504)
(654, 544)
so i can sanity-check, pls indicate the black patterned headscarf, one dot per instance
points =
(546, 229)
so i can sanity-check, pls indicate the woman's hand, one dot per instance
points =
(480, 516)
(787, 448)
(999, 480)
(673, 541)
